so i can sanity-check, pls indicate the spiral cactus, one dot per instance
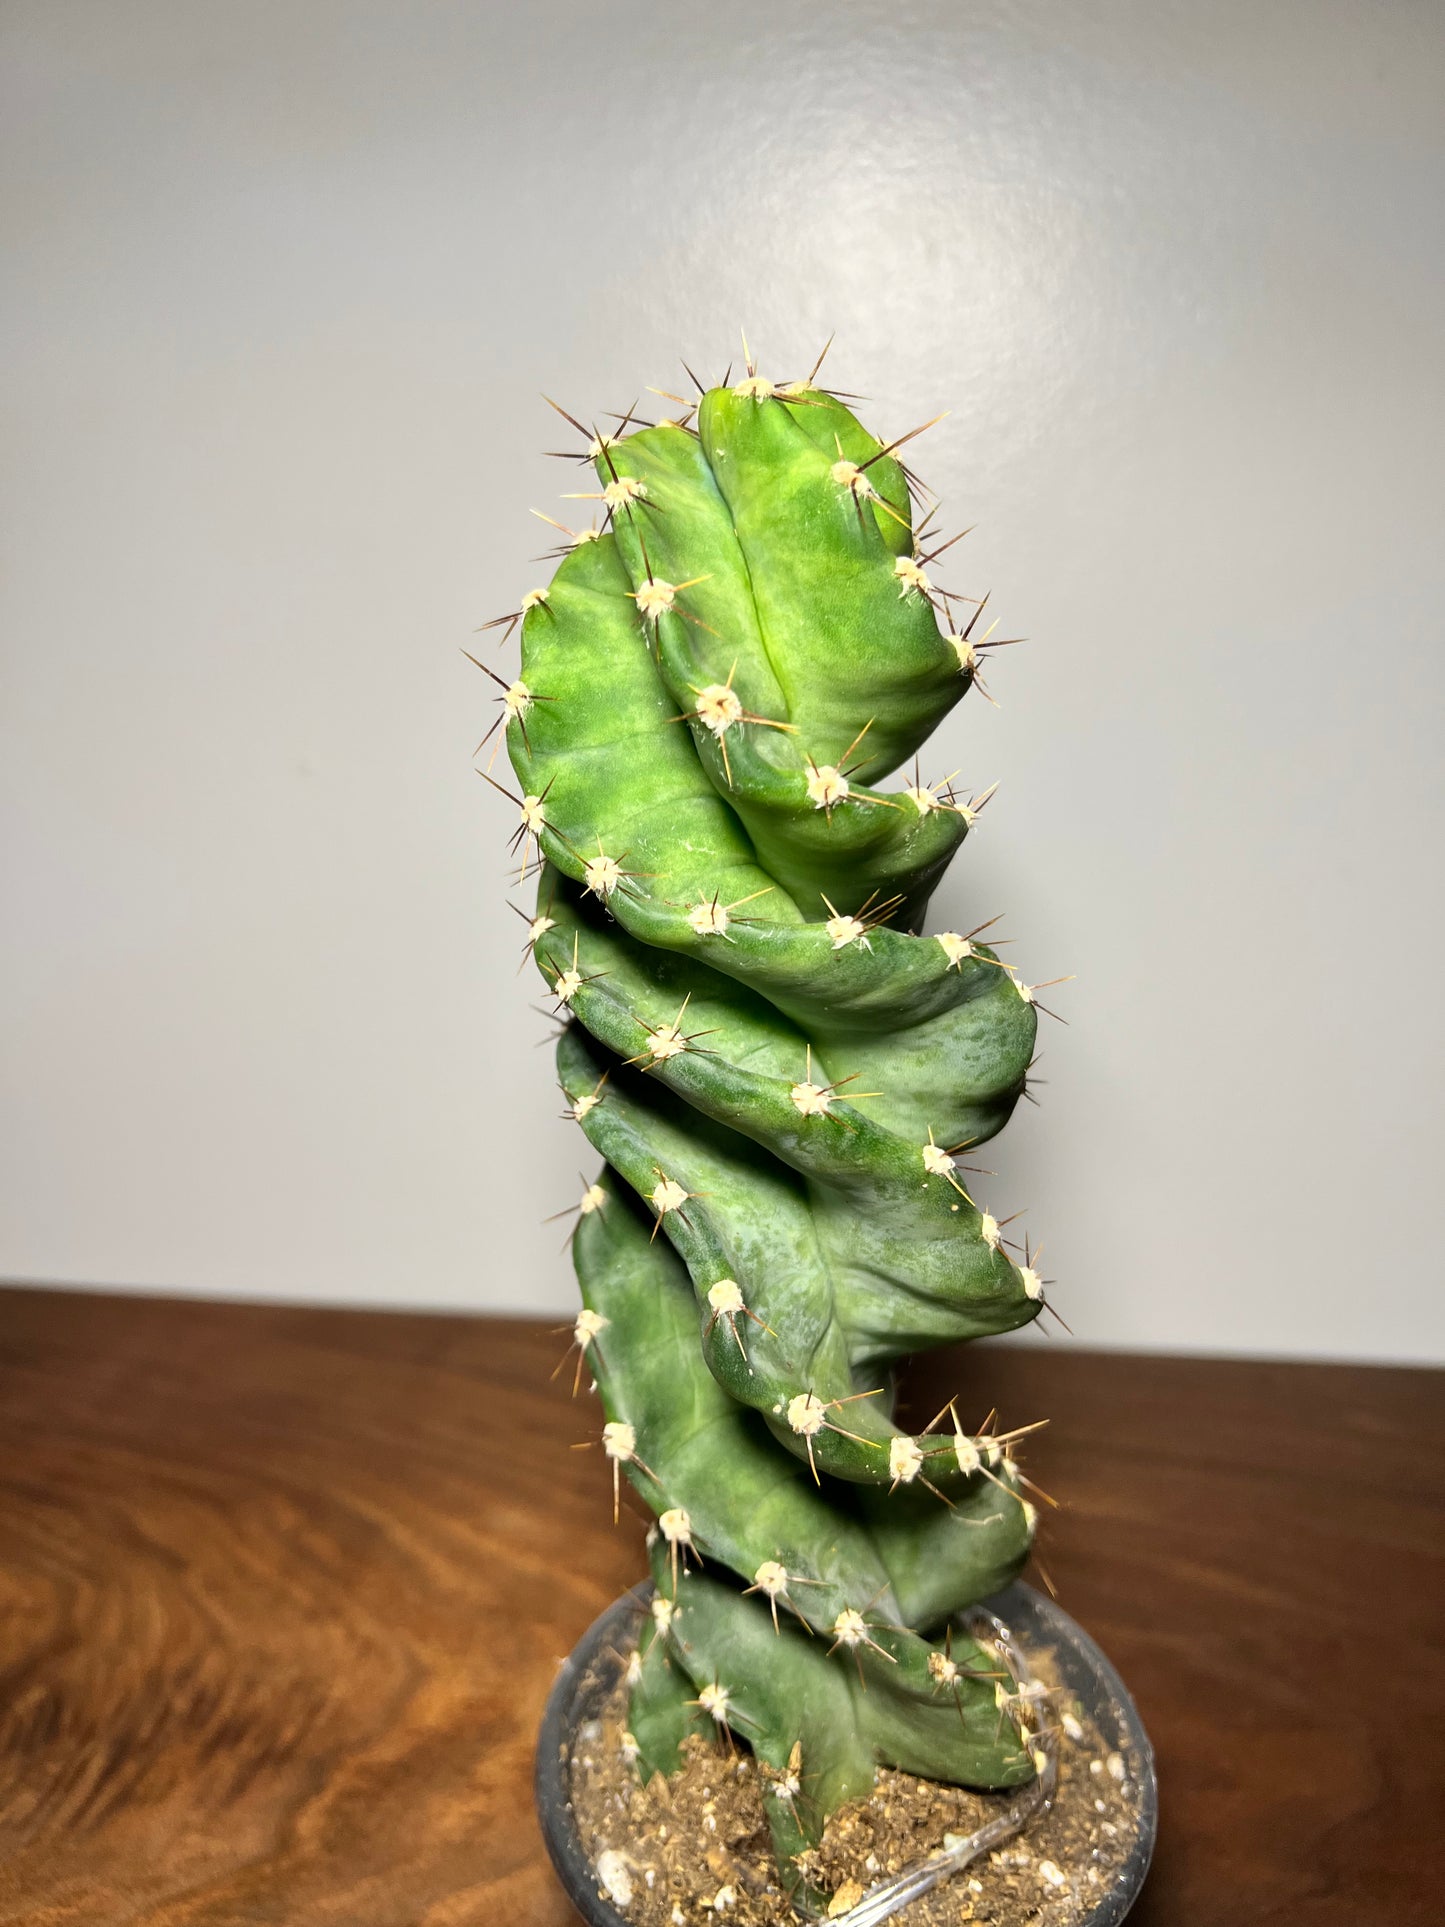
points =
(779, 1071)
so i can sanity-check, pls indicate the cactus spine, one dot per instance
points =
(778, 1071)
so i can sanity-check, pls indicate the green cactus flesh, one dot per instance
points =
(776, 1067)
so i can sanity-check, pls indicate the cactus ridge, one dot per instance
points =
(779, 1072)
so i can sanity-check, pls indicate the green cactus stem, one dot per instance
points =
(780, 1072)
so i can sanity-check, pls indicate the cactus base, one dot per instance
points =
(588, 1677)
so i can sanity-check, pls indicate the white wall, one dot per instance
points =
(285, 281)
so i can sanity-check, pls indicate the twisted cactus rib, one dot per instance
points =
(777, 1070)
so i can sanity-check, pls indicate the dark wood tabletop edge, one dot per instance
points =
(48, 1298)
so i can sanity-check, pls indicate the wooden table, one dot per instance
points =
(282, 1591)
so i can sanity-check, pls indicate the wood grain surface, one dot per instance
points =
(282, 1592)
